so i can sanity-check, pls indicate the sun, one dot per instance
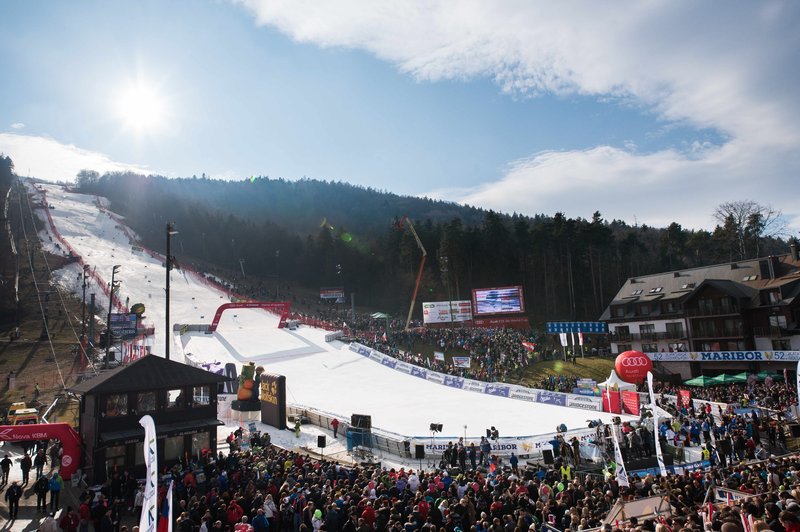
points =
(140, 107)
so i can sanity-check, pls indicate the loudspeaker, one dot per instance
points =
(419, 452)
(321, 441)
(547, 454)
(361, 421)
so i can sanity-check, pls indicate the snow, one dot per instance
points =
(320, 375)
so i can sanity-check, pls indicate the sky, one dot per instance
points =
(650, 112)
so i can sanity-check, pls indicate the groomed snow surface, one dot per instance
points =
(320, 375)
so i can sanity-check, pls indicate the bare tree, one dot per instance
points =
(751, 222)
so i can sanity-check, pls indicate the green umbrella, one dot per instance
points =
(728, 379)
(764, 374)
(743, 375)
(702, 380)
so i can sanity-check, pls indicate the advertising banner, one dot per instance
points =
(630, 402)
(453, 382)
(497, 389)
(584, 402)
(273, 400)
(124, 325)
(727, 356)
(149, 519)
(611, 402)
(437, 311)
(519, 322)
(461, 362)
(521, 446)
(335, 292)
(552, 398)
(557, 327)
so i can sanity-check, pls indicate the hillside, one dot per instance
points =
(319, 233)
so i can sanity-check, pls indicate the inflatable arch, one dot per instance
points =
(70, 441)
(282, 308)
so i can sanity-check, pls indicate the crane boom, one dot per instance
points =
(421, 266)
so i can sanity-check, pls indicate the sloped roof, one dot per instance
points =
(148, 373)
(745, 278)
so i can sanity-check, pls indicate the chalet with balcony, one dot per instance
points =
(181, 399)
(738, 306)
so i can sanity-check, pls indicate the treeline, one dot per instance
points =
(328, 234)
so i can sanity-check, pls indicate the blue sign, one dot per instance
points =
(124, 325)
(595, 327)
(552, 398)
(418, 372)
(495, 389)
(453, 382)
(390, 362)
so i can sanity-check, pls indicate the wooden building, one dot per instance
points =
(181, 399)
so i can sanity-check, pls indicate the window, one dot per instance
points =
(623, 331)
(175, 399)
(705, 305)
(624, 347)
(173, 448)
(201, 396)
(619, 312)
(675, 329)
(115, 456)
(687, 286)
(781, 345)
(749, 277)
(656, 290)
(777, 321)
(647, 328)
(116, 405)
(637, 292)
(146, 402)
(644, 310)
(670, 307)
(139, 452)
(775, 296)
(200, 441)
(650, 348)
(677, 347)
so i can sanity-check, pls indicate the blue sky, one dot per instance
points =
(649, 112)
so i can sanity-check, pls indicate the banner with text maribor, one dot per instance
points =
(726, 356)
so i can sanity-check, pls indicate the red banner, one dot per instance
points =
(684, 398)
(630, 402)
(611, 402)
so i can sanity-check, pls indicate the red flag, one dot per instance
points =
(530, 346)
(384, 337)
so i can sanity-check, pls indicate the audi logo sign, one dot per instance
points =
(632, 366)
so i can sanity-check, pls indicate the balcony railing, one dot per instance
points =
(771, 332)
(717, 310)
(652, 336)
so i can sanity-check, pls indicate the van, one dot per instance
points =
(23, 416)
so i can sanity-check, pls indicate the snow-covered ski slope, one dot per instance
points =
(325, 376)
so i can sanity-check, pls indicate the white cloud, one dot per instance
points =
(734, 70)
(17, 126)
(49, 159)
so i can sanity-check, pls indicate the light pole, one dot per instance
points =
(113, 288)
(277, 274)
(444, 268)
(170, 232)
(83, 306)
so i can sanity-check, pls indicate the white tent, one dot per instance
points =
(614, 382)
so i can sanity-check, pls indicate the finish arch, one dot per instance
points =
(282, 308)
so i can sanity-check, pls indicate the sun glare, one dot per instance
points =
(141, 108)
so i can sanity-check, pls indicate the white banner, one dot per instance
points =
(461, 362)
(563, 338)
(654, 409)
(726, 356)
(149, 518)
(584, 402)
(622, 475)
(437, 311)
(521, 446)
(168, 502)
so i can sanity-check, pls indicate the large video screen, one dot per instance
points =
(503, 300)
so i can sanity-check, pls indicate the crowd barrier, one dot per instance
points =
(511, 391)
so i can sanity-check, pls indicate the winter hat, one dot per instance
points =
(318, 513)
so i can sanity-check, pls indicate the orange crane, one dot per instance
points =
(399, 225)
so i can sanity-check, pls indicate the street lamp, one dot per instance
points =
(113, 288)
(170, 260)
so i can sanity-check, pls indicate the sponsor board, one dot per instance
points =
(474, 386)
(497, 389)
(521, 446)
(436, 377)
(418, 372)
(726, 356)
(584, 402)
(446, 311)
(336, 292)
(523, 395)
(403, 366)
(389, 362)
(552, 398)
(453, 382)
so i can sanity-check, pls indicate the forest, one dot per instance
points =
(320, 233)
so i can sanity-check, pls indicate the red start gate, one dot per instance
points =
(282, 308)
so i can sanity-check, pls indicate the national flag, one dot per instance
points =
(580, 339)
(165, 517)
(384, 337)
(530, 346)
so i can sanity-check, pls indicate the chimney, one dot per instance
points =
(793, 248)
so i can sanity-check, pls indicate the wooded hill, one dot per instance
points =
(331, 233)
